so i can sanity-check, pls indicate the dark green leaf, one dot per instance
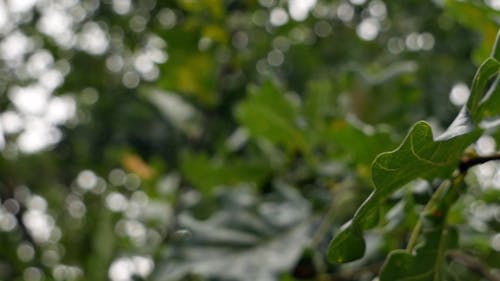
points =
(419, 156)
(495, 52)
(360, 142)
(479, 16)
(489, 106)
(348, 245)
(425, 265)
(268, 114)
(205, 173)
(486, 71)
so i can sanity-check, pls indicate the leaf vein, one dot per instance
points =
(427, 161)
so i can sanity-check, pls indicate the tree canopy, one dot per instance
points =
(278, 140)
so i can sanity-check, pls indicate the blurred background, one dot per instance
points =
(225, 139)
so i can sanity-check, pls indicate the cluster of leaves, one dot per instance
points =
(422, 156)
(224, 140)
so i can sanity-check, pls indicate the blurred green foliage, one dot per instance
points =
(230, 140)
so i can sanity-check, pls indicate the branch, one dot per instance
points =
(474, 265)
(468, 162)
(325, 225)
(436, 196)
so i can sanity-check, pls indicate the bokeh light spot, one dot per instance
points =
(368, 29)
(459, 94)
(278, 17)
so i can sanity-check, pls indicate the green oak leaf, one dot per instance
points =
(478, 16)
(486, 71)
(348, 245)
(268, 114)
(490, 109)
(489, 106)
(426, 264)
(420, 155)
(207, 173)
(361, 145)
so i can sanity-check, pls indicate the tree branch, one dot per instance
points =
(468, 162)
(474, 265)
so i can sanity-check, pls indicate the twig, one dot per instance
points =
(474, 265)
(324, 227)
(414, 236)
(468, 162)
(438, 194)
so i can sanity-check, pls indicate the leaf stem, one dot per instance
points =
(428, 207)
(414, 236)
(418, 227)
(439, 194)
